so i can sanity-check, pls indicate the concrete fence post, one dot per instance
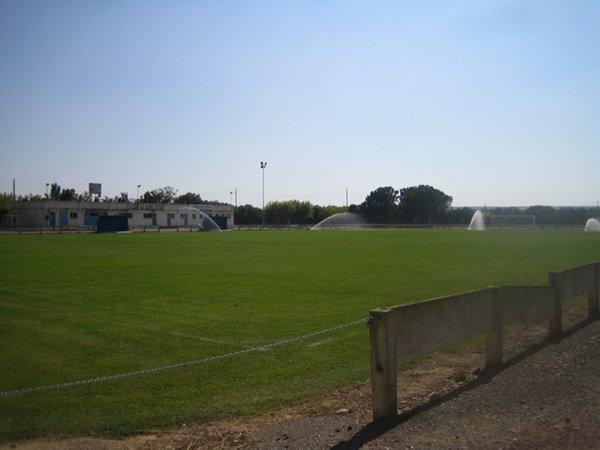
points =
(383, 365)
(594, 294)
(494, 350)
(555, 323)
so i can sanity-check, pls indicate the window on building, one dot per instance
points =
(171, 215)
(93, 214)
(193, 216)
(148, 216)
(73, 215)
(128, 215)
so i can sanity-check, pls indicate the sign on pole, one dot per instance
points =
(95, 188)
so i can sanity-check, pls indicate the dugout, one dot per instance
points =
(111, 224)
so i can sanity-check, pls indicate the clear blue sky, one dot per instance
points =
(495, 102)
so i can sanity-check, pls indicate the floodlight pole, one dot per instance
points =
(138, 188)
(263, 165)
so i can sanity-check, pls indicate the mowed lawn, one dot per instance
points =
(82, 306)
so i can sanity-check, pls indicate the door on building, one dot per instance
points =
(170, 217)
(111, 224)
(221, 222)
(91, 218)
(52, 219)
(64, 218)
(185, 219)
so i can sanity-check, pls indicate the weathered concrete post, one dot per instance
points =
(494, 350)
(555, 323)
(383, 365)
(594, 295)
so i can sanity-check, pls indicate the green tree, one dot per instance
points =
(85, 197)
(67, 195)
(302, 212)
(381, 205)
(279, 212)
(459, 216)
(123, 197)
(423, 204)
(7, 205)
(165, 194)
(248, 215)
(29, 198)
(189, 198)
(55, 191)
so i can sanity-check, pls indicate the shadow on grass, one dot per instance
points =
(373, 430)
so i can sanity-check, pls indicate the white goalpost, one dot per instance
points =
(512, 220)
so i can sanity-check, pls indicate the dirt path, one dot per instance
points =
(548, 396)
(545, 395)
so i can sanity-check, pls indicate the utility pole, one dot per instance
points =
(235, 190)
(346, 198)
(47, 185)
(14, 191)
(230, 194)
(263, 165)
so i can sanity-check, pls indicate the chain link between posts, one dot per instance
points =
(195, 362)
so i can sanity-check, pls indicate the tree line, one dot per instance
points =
(420, 204)
(166, 194)
(285, 212)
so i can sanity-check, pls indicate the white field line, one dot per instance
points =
(194, 362)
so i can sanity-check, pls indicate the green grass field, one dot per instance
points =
(80, 306)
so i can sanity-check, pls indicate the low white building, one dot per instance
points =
(84, 215)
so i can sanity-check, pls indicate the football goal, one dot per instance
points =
(512, 220)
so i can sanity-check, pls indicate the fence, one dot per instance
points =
(403, 332)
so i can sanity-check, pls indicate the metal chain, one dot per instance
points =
(258, 348)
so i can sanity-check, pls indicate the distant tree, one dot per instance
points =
(212, 202)
(353, 208)
(381, 205)
(318, 213)
(330, 210)
(459, 216)
(67, 195)
(279, 212)
(85, 197)
(423, 204)
(165, 194)
(7, 205)
(544, 215)
(571, 215)
(189, 198)
(323, 212)
(504, 210)
(123, 197)
(55, 191)
(298, 212)
(302, 212)
(248, 215)
(30, 198)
